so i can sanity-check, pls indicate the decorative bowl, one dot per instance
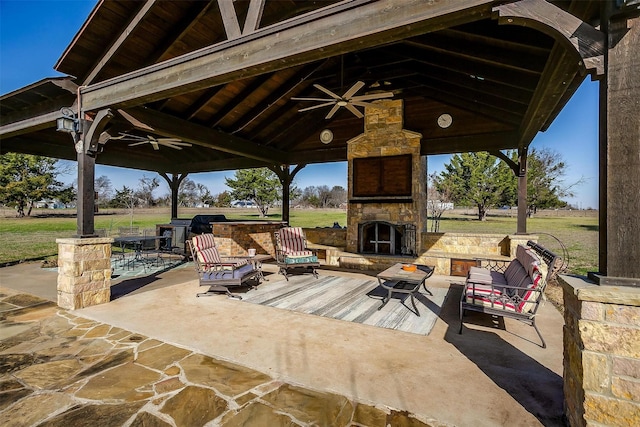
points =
(409, 267)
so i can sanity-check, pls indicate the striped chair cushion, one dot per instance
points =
(209, 256)
(487, 301)
(292, 240)
(203, 241)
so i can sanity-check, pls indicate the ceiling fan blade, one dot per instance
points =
(311, 99)
(154, 144)
(137, 143)
(332, 111)
(326, 104)
(170, 140)
(135, 122)
(353, 89)
(327, 91)
(373, 96)
(355, 111)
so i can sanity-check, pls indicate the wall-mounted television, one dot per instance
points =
(382, 177)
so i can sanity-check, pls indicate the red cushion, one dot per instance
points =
(203, 241)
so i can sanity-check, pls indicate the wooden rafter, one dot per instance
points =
(135, 20)
(172, 127)
(317, 35)
(587, 42)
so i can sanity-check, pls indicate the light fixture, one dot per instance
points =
(326, 136)
(68, 122)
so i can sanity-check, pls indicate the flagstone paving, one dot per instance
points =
(58, 369)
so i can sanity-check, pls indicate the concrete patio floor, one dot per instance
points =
(494, 374)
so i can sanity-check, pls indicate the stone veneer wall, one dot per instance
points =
(235, 238)
(383, 136)
(438, 249)
(336, 237)
(84, 272)
(601, 354)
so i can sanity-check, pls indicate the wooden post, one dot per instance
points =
(86, 199)
(623, 150)
(286, 178)
(174, 184)
(522, 191)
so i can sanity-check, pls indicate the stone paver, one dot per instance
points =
(58, 369)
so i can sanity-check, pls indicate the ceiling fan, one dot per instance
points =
(174, 143)
(348, 100)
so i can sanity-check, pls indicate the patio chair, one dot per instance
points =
(292, 251)
(149, 248)
(216, 272)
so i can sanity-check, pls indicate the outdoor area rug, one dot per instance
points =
(352, 300)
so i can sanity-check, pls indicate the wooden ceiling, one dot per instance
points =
(500, 83)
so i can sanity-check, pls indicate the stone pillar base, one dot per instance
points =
(601, 353)
(84, 272)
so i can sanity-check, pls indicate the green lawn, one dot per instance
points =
(34, 237)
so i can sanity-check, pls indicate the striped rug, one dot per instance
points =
(349, 299)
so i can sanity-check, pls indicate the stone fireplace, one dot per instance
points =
(386, 213)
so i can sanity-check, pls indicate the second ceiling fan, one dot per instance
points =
(349, 100)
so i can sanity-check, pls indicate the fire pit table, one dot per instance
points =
(396, 279)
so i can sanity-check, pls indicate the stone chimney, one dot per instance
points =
(386, 213)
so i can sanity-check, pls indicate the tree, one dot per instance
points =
(104, 189)
(474, 179)
(260, 185)
(438, 201)
(222, 200)
(203, 194)
(26, 179)
(146, 186)
(125, 198)
(187, 193)
(545, 184)
(338, 196)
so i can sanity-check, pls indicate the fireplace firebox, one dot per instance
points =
(380, 237)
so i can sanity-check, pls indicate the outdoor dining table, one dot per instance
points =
(395, 279)
(138, 243)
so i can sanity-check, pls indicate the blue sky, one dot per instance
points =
(33, 35)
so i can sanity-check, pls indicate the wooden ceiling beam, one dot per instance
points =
(172, 127)
(473, 94)
(492, 72)
(26, 122)
(124, 34)
(327, 32)
(575, 35)
(470, 143)
(464, 81)
(197, 11)
(233, 104)
(439, 45)
(301, 77)
(330, 154)
(560, 72)
(201, 102)
(496, 43)
(462, 101)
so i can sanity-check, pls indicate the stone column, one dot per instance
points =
(601, 353)
(84, 272)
